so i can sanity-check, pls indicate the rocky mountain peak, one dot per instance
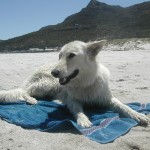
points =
(95, 4)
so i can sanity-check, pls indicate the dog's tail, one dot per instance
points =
(16, 95)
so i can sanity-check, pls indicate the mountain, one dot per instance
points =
(97, 20)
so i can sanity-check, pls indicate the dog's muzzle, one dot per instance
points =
(67, 79)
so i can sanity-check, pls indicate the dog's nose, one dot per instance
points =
(55, 73)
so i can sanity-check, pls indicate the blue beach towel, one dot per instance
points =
(51, 117)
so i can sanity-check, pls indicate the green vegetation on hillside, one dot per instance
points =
(96, 21)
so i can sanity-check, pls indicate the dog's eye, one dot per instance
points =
(71, 55)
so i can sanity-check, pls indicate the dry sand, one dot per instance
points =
(130, 82)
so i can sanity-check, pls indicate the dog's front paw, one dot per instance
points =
(141, 118)
(83, 121)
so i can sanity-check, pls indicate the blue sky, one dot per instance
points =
(18, 17)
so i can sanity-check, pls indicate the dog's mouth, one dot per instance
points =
(65, 80)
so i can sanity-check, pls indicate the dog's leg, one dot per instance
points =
(77, 110)
(116, 105)
(29, 99)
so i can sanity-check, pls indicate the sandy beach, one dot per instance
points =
(130, 82)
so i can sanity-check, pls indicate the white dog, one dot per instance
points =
(78, 80)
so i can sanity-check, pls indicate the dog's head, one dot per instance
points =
(77, 61)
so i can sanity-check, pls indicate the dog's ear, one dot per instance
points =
(93, 48)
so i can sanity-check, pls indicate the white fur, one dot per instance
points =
(89, 87)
